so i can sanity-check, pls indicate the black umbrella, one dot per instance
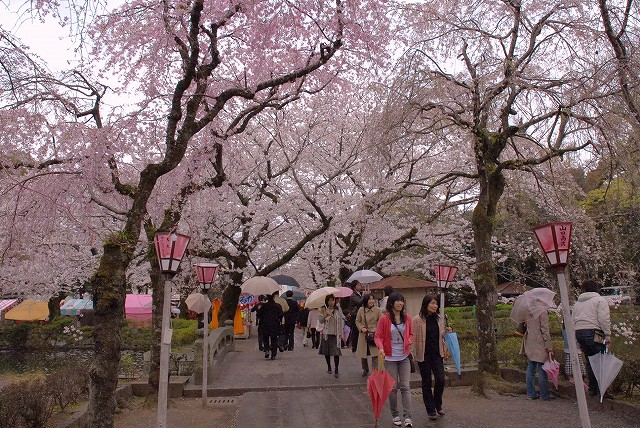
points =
(286, 280)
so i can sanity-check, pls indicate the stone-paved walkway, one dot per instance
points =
(295, 391)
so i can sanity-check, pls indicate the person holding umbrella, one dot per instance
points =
(429, 351)
(270, 316)
(258, 310)
(366, 322)
(354, 304)
(537, 347)
(592, 322)
(393, 338)
(333, 319)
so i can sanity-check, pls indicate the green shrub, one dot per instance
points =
(509, 352)
(55, 327)
(179, 323)
(127, 366)
(183, 337)
(468, 352)
(136, 337)
(629, 377)
(184, 332)
(10, 399)
(68, 385)
(18, 335)
(36, 404)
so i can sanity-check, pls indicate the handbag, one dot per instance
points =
(319, 326)
(412, 362)
(370, 338)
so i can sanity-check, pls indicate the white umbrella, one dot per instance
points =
(534, 302)
(316, 298)
(260, 285)
(606, 367)
(364, 276)
(198, 303)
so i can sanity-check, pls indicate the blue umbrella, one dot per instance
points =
(451, 339)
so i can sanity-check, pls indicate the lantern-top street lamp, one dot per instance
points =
(206, 273)
(555, 241)
(170, 249)
(444, 275)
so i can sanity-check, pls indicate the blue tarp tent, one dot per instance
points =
(72, 307)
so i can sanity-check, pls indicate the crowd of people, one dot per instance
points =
(592, 323)
(383, 333)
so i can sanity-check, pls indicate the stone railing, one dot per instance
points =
(220, 341)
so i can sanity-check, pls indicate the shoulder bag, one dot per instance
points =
(412, 362)
(370, 339)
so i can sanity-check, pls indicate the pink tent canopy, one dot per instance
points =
(137, 308)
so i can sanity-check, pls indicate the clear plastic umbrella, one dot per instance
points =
(316, 298)
(364, 276)
(198, 303)
(606, 367)
(260, 285)
(534, 302)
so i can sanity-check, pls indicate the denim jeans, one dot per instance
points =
(432, 399)
(401, 372)
(543, 380)
(589, 348)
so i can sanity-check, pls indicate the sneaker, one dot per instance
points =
(433, 417)
(441, 412)
(408, 423)
(365, 373)
(337, 375)
(329, 371)
(397, 421)
(266, 355)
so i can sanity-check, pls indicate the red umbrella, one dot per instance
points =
(379, 385)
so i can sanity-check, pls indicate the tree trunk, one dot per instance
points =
(485, 282)
(109, 288)
(483, 221)
(230, 297)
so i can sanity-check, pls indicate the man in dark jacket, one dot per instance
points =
(290, 319)
(271, 314)
(355, 301)
(258, 310)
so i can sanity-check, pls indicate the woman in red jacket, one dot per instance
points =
(393, 339)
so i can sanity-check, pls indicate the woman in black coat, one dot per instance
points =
(270, 317)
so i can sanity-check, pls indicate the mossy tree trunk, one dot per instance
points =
(108, 301)
(483, 221)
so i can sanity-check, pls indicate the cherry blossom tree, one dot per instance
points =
(508, 94)
(194, 67)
